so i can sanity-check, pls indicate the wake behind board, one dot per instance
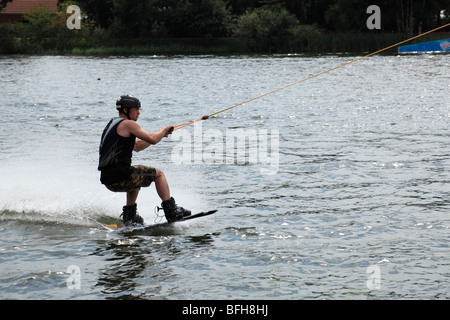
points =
(123, 228)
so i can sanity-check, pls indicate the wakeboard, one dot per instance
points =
(124, 228)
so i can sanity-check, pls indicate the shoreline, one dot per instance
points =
(326, 43)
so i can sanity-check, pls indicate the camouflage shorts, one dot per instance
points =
(142, 176)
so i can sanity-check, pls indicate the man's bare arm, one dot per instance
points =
(146, 138)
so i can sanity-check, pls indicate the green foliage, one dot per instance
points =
(170, 18)
(208, 18)
(252, 25)
(302, 37)
(39, 24)
(267, 29)
(45, 30)
(345, 15)
(7, 38)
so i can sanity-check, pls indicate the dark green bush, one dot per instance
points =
(7, 38)
(267, 29)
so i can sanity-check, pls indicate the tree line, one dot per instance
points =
(261, 25)
(223, 18)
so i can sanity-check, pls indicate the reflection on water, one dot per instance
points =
(133, 261)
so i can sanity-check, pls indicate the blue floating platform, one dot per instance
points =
(432, 46)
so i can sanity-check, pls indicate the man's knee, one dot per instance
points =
(159, 173)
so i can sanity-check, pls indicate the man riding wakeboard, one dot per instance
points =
(118, 175)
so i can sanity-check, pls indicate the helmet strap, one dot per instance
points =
(126, 113)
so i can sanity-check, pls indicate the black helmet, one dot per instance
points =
(127, 102)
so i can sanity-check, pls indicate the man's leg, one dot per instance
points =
(145, 176)
(171, 210)
(132, 196)
(162, 187)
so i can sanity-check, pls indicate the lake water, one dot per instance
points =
(340, 189)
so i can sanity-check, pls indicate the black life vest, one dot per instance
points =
(115, 154)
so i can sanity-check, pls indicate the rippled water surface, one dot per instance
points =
(341, 190)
